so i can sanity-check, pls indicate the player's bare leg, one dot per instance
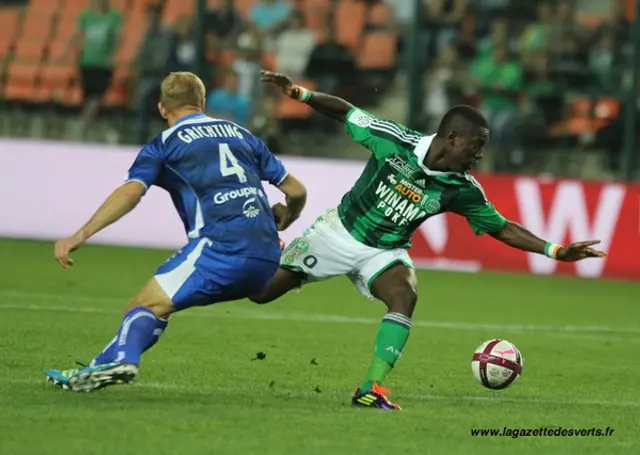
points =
(282, 282)
(397, 288)
(144, 321)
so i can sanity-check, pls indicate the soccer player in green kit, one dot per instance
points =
(409, 178)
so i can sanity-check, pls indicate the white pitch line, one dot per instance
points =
(299, 317)
(416, 396)
(599, 334)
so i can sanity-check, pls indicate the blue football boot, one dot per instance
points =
(91, 378)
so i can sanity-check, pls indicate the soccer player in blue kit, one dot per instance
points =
(213, 171)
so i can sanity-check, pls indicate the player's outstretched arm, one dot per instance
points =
(295, 199)
(326, 104)
(118, 204)
(518, 237)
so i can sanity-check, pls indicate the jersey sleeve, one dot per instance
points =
(481, 215)
(271, 168)
(381, 137)
(358, 126)
(147, 166)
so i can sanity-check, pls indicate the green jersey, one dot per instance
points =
(397, 192)
(100, 37)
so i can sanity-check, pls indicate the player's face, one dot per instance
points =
(467, 150)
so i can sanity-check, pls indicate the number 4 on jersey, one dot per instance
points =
(229, 164)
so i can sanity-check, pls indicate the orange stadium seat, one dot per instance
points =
(44, 7)
(68, 19)
(139, 5)
(176, 9)
(590, 21)
(580, 107)
(607, 108)
(58, 50)
(6, 46)
(586, 116)
(75, 5)
(130, 41)
(605, 111)
(579, 125)
(269, 61)
(244, 6)
(21, 81)
(226, 58)
(126, 54)
(378, 51)
(57, 77)
(28, 50)
(135, 18)
(72, 97)
(118, 93)
(66, 27)
(9, 26)
(116, 96)
(121, 77)
(316, 14)
(36, 25)
(350, 18)
(292, 109)
(379, 15)
(120, 5)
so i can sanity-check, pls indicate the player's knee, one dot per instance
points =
(404, 300)
(283, 282)
(153, 298)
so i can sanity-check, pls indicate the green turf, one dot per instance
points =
(200, 392)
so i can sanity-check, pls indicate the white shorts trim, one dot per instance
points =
(326, 250)
(172, 281)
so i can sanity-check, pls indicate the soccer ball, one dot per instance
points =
(497, 364)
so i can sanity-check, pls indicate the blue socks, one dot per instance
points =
(139, 331)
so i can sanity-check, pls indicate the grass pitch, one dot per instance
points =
(201, 392)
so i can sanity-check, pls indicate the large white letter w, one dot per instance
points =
(568, 214)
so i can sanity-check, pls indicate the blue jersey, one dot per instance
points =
(213, 171)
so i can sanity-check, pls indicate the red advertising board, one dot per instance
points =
(561, 211)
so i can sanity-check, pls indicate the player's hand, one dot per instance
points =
(580, 250)
(280, 80)
(283, 216)
(63, 249)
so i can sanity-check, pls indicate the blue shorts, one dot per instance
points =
(197, 275)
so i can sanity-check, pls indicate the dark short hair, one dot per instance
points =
(462, 119)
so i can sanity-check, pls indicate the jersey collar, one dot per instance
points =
(421, 151)
(189, 117)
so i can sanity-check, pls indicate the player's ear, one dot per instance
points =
(451, 137)
(162, 110)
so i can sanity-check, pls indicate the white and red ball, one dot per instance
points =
(497, 364)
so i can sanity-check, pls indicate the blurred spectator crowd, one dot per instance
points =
(541, 70)
(518, 61)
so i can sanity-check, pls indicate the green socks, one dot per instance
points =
(390, 341)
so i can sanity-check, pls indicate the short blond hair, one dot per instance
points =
(182, 90)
